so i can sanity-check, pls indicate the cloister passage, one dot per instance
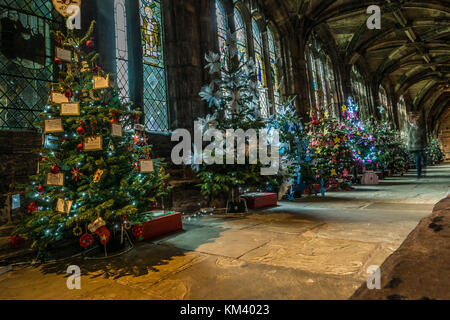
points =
(314, 248)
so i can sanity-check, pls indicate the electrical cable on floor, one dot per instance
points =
(33, 262)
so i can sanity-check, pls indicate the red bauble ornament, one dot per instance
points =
(86, 240)
(54, 169)
(315, 122)
(32, 207)
(41, 189)
(58, 61)
(81, 130)
(15, 241)
(138, 232)
(89, 43)
(80, 147)
(113, 121)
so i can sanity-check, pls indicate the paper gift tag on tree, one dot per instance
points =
(53, 125)
(116, 130)
(55, 179)
(63, 54)
(70, 109)
(147, 166)
(58, 98)
(15, 201)
(64, 206)
(93, 143)
(94, 226)
(100, 82)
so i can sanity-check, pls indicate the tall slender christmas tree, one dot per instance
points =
(234, 102)
(95, 170)
(360, 139)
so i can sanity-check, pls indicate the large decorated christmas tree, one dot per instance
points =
(95, 171)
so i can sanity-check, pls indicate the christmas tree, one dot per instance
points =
(360, 139)
(95, 172)
(295, 163)
(391, 150)
(234, 102)
(332, 158)
(433, 152)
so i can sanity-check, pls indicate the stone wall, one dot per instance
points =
(444, 135)
(17, 161)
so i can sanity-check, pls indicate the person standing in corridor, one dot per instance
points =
(416, 141)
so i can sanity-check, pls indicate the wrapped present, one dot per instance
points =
(260, 200)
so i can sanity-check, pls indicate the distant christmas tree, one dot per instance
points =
(433, 151)
(295, 163)
(234, 102)
(332, 158)
(391, 150)
(360, 139)
(94, 172)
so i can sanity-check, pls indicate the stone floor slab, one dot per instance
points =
(219, 278)
(315, 255)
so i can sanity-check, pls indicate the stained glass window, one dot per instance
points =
(385, 103)
(221, 29)
(322, 77)
(26, 64)
(402, 116)
(359, 90)
(155, 99)
(260, 70)
(121, 49)
(241, 35)
(273, 66)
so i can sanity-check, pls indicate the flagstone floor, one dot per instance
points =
(315, 248)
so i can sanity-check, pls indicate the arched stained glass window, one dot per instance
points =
(359, 90)
(120, 16)
(273, 66)
(155, 100)
(322, 76)
(241, 35)
(384, 103)
(26, 62)
(402, 116)
(260, 70)
(221, 29)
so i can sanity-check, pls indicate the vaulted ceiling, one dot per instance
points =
(410, 54)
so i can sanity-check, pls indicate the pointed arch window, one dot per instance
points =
(402, 116)
(155, 99)
(322, 76)
(222, 28)
(385, 103)
(360, 93)
(274, 72)
(120, 16)
(241, 35)
(260, 69)
(26, 60)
